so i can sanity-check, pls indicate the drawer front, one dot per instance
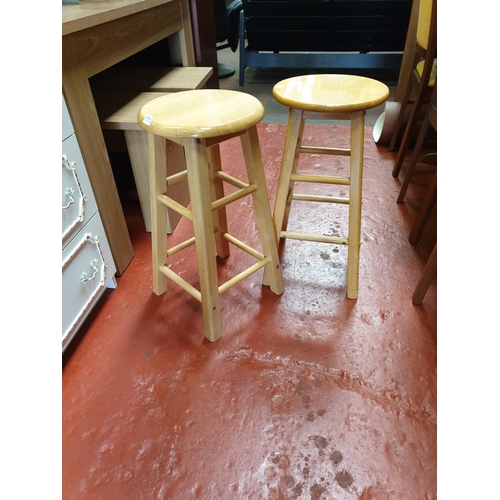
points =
(67, 126)
(87, 269)
(78, 202)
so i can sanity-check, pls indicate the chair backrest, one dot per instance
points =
(220, 20)
(227, 22)
(426, 15)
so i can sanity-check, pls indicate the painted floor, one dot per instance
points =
(307, 395)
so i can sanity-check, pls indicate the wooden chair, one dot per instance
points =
(430, 119)
(420, 80)
(199, 121)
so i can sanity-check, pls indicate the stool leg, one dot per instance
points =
(157, 185)
(355, 195)
(289, 165)
(219, 216)
(255, 171)
(201, 207)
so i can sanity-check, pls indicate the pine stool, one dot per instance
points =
(326, 97)
(199, 120)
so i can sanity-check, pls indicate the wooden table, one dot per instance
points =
(97, 34)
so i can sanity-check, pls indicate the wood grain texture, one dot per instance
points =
(330, 93)
(201, 113)
(91, 13)
(152, 79)
(97, 35)
(79, 99)
(106, 44)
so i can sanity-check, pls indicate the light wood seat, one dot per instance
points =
(199, 121)
(326, 97)
(119, 93)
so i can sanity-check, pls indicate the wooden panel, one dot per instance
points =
(104, 45)
(93, 12)
(119, 110)
(151, 79)
(83, 114)
(205, 45)
(137, 143)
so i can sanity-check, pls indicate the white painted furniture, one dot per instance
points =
(87, 264)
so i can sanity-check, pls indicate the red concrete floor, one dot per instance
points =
(307, 395)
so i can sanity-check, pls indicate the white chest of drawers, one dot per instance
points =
(87, 264)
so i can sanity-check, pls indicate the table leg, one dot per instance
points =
(81, 107)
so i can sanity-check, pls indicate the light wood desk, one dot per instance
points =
(97, 34)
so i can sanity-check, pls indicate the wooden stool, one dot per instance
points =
(326, 97)
(199, 120)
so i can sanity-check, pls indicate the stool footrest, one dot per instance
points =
(181, 282)
(179, 176)
(226, 200)
(320, 179)
(244, 274)
(318, 239)
(242, 246)
(322, 199)
(325, 151)
(230, 179)
(181, 246)
(177, 207)
(263, 261)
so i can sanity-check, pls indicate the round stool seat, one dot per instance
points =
(201, 113)
(330, 93)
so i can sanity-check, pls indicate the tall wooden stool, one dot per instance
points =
(326, 97)
(199, 120)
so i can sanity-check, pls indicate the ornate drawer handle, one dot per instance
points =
(70, 165)
(93, 265)
(69, 194)
(88, 238)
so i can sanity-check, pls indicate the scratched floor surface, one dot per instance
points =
(306, 396)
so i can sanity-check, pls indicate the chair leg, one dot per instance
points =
(427, 276)
(201, 207)
(399, 120)
(255, 171)
(405, 141)
(289, 165)
(157, 185)
(424, 212)
(413, 161)
(355, 196)
(219, 216)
